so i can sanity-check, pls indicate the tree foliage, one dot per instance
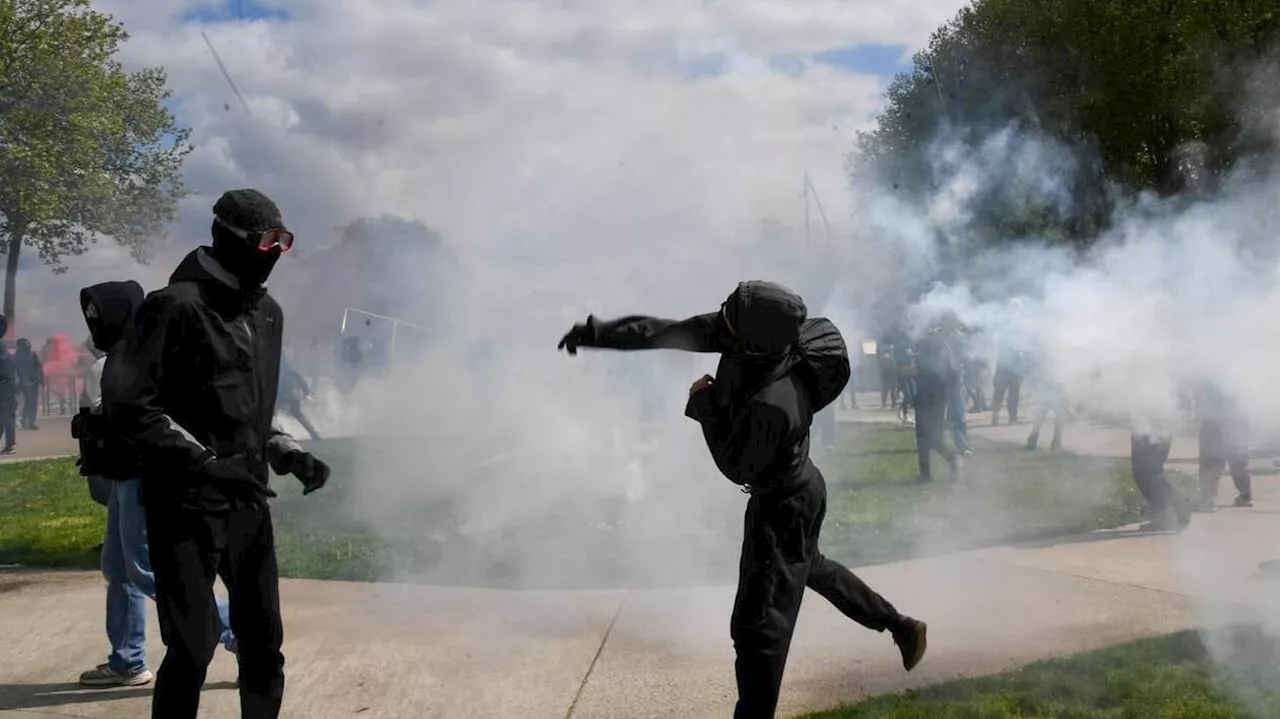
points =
(86, 148)
(1163, 93)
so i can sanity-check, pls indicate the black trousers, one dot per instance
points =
(780, 558)
(1148, 456)
(1221, 449)
(1055, 402)
(931, 423)
(8, 422)
(30, 405)
(188, 548)
(294, 409)
(1006, 383)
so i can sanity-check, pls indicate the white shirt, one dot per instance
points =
(93, 382)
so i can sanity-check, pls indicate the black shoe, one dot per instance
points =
(1032, 441)
(7, 450)
(1244, 501)
(912, 640)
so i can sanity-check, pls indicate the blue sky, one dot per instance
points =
(236, 10)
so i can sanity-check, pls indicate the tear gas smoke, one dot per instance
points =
(1175, 293)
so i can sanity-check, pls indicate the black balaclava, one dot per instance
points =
(108, 308)
(24, 345)
(253, 212)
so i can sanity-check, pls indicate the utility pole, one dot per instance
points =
(809, 189)
(805, 193)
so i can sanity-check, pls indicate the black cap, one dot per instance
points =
(248, 210)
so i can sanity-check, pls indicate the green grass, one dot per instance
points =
(1169, 677)
(46, 516)
(876, 513)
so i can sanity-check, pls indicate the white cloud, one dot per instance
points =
(561, 131)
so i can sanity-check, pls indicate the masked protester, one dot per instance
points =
(8, 399)
(108, 309)
(937, 373)
(777, 369)
(30, 379)
(194, 391)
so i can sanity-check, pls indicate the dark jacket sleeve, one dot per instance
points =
(701, 333)
(131, 387)
(744, 446)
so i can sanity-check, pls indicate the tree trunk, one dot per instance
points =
(11, 276)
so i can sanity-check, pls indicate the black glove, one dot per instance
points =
(582, 335)
(312, 472)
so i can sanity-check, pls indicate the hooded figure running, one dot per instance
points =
(777, 368)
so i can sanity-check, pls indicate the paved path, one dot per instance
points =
(361, 650)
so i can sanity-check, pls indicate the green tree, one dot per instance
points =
(87, 149)
(1154, 89)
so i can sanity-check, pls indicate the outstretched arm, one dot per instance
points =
(701, 333)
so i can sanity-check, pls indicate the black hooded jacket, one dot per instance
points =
(101, 450)
(777, 369)
(197, 381)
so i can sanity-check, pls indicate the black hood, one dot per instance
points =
(200, 266)
(766, 317)
(116, 303)
(777, 337)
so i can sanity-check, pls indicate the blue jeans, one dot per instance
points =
(126, 563)
(956, 396)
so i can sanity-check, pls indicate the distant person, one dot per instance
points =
(108, 309)
(1007, 381)
(935, 375)
(30, 380)
(953, 339)
(1167, 509)
(777, 368)
(975, 375)
(294, 389)
(1049, 396)
(351, 363)
(904, 363)
(8, 399)
(888, 373)
(194, 391)
(1224, 444)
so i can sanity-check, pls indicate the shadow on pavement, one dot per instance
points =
(45, 696)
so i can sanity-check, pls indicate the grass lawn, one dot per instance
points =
(1169, 677)
(876, 513)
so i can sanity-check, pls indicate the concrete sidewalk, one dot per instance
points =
(417, 652)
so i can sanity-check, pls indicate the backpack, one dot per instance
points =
(824, 366)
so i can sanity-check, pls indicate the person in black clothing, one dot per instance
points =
(936, 375)
(30, 379)
(1167, 509)
(777, 368)
(293, 388)
(1224, 444)
(193, 390)
(8, 397)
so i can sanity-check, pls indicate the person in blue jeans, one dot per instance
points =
(108, 307)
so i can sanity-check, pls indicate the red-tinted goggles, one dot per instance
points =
(265, 240)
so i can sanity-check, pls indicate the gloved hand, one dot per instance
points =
(582, 335)
(312, 472)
